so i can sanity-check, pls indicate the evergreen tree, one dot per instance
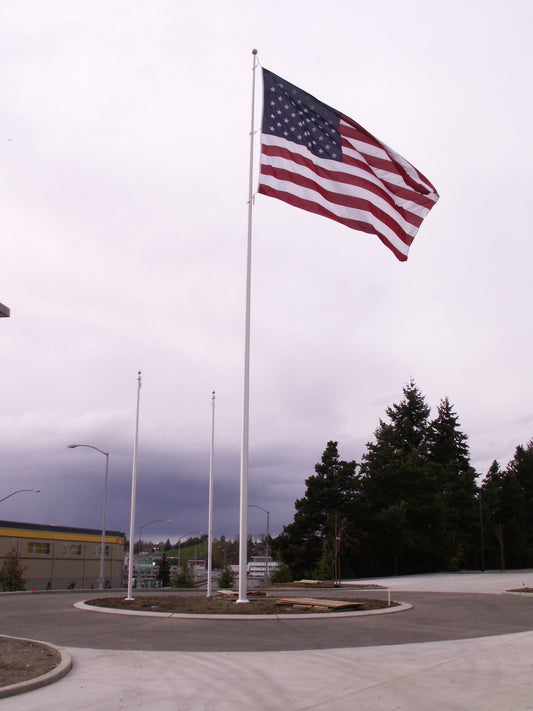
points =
(520, 468)
(409, 420)
(226, 578)
(507, 500)
(446, 443)
(490, 495)
(183, 578)
(404, 516)
(324, 517)
(164, 570)
(281, 575)
(449, 453)
(12, 573)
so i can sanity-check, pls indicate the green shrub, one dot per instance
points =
(183, 578)
(226, 578)
(12, 573)
(281, 575)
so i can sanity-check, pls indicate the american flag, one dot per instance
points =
(316, 158)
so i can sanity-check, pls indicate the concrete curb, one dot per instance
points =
(58, 672)
(401, 607)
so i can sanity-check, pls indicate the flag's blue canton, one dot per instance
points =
(294, 114)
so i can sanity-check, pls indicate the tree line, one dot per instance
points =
(412, 504)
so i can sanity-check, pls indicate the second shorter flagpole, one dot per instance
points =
(243, 513)
(210, 505)
(133, 492)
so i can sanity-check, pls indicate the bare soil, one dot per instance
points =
(21, 660)
(220, 605)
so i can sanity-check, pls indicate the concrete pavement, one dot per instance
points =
(490, 582)
(489, 673)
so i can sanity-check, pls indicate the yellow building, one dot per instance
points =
(56, 557)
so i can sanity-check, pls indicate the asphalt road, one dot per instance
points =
(434, 617)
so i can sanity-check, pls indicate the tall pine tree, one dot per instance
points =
(449, 453)
(507, 504)
(493, 514)
(403, 513)
(321, 533)
(520, 468)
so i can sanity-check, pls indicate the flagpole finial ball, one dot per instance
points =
(254, 51)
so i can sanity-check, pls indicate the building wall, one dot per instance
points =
(55, 558)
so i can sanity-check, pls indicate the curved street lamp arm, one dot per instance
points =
(73, 446)
(254, 506)
(18, 491)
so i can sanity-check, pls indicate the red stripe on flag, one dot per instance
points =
(318, 159)
(389, 163)
(313, 207)
(342, 177)
(357, 201)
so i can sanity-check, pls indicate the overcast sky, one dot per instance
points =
(124, 180)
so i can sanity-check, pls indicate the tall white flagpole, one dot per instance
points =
(210, 516)
(133, 493)
(243, 530)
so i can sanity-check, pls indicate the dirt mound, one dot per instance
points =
(221, 605)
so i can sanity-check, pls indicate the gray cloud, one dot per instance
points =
(124, 171)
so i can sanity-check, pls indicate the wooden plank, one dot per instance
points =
(319, 602)
(308, 582)
(234, 593)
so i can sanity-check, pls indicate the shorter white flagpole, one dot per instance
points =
(243, 527)
(210, 516)
(133, 493)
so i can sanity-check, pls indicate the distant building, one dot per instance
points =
(56, 557)
(257, 568)
(145, 571)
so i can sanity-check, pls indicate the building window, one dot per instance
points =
(38, 548)
(97, 549)
(71, 549)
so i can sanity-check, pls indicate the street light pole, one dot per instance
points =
(18, 491)
(267, 537)
(102, 552)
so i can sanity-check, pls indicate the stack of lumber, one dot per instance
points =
(307, 602)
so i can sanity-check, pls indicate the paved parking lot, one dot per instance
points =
(464, 645)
